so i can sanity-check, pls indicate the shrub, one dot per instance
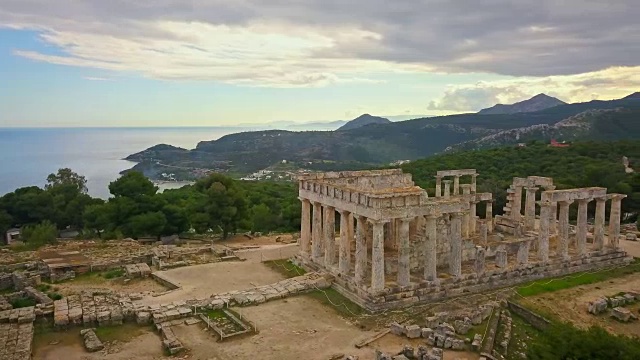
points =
(40, 234)
(54, 296)
(112, 274)
(23, 302)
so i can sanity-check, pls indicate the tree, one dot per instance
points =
(98, 217)
(40, 234)
(134, 185)
(66, 177)
(177, 221)
(151, 223)
(224, 203)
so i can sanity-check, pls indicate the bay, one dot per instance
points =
(28, 155)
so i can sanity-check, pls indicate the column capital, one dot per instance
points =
(447, 181)
(531, 188)
(432, 216)
(343, 212)
(550, 188)
(616, 196)
(304, 199)
(565, 202)
(584, 201)
(438, 177)
(600, 199)
(376, 222)
(544, 203)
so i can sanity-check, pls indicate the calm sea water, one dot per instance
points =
(27, 156)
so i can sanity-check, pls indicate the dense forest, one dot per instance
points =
(221, 205)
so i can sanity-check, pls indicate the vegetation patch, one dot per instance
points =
(112, 274)
(555, 284)
(125, 332)
(285, 267)
(337, 301)
(22, 302)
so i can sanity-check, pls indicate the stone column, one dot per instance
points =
(563, 229)
(455, 254)
(553, 228)
(614, 220)
(438, 186)
(522, 258)
(516, 207)
(404, 251)
(351, 234)
(489, 216)
(465, 225)
(530, 209)
(543, 231)
(479, 263)
(430, 259)
(344, 262)
(456, 185)
(581, 227)
(305, 228)
(598, 228)
(316, 250)
(447, 188)
(483, 232)
(501, 257)
(472, 218)
(473, 183)
(361, 250)
(377, 257)
(329, 228)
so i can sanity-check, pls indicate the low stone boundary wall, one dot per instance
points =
(16, 340)
(165, 281)
(222, 333)
(38, 296)
(169, 340)
(537, 321)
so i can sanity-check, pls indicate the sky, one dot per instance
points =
(69, 63)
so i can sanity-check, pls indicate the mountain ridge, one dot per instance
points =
(536, 103)
(364, 120)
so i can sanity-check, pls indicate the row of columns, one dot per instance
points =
(456, 185)
(319, 245)
(547, 217)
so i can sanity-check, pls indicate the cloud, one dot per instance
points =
(287, 43)
(610, 83)
(94, 78)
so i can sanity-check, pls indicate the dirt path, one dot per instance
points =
(571, 304)
(200, 281)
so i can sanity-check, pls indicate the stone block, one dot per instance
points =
(143, 317)
(457, 344)
(597, 306)
(621, 314)
(413, 331)
(426, 332)
(477, 342)
(632, 237)
(91, 341)
(397, 329)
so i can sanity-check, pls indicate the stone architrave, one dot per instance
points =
(563, 229)
(404, 253)
(377, 257)
(530, 208)
(614, 220)
(581, 227)
(447, 188)
(430, 252)
(479, 262)
(305, 228)
(543, 231)
(361, 250)
(329, 227)
(598, 228)
(455, 254)
(316, 249)
(522, 257)
(344, 256)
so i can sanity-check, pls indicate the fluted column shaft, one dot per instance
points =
(447, 188)
(316, 249)
(455, 255)
(329, 228)
(361, 250)
(438, 186)
(305, 228)
(598, 228)
(430, 254)
(516, 206)
(489, 216)
(563, 244)
(614, 221)
(403, 253)
(456, 185)
(543, 232)
(581, 234)
(472, 218)
(344, 262)
(377, 257)
(530, 209)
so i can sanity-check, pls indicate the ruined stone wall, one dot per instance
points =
(6, 281)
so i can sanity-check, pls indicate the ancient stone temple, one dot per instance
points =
(397, 246)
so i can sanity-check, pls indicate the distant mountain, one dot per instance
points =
(635, 95)
(364, 120)
(247, 152)
(536, 103)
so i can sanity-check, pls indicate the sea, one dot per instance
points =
(28, 155)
